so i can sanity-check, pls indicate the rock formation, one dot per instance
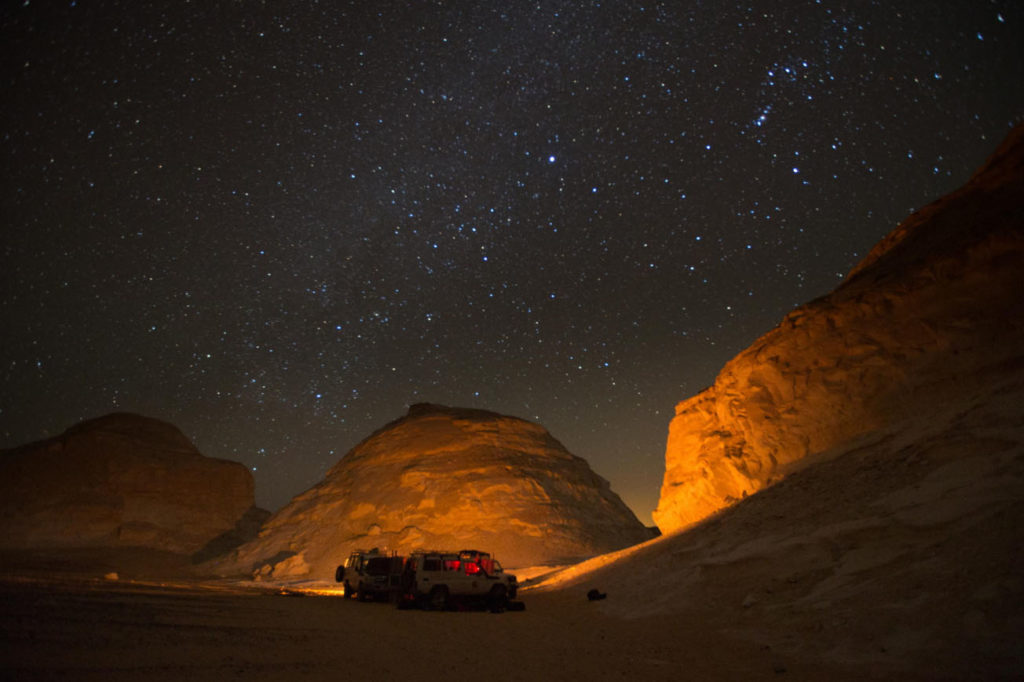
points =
(119, 481)
(446, 478)
(929, 317)
(896, 558)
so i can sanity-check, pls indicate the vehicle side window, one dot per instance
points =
(431, 564)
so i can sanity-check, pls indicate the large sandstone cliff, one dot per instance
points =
(119, 481)
(446, 478)
(931, 315)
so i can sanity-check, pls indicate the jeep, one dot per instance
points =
(439, 580)
(370, 575)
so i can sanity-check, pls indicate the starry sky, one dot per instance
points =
(278, 224)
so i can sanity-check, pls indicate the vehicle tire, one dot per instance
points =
(497, 599)
(339, 574)
(438, 598)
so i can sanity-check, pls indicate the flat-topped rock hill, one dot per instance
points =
(443, 477)
(932, 317)
(122, 480)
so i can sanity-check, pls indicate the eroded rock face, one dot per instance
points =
(120, 480)
(446, 478)
(930, 316)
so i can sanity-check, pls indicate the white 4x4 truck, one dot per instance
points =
(437, 580)
(370, 575)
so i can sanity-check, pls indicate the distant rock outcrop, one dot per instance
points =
(119, 481)
(446, 478)
(932, 313)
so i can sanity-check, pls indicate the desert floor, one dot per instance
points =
(73, 629)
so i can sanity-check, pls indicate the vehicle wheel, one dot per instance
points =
(439, 598)
(497, 599)
(349, 592)
(339, 574)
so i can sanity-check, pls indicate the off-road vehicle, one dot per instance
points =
(370, 574)
(439, 580)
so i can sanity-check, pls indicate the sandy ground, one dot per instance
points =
(104, 630)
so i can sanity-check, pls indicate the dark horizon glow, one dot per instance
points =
(276, 225)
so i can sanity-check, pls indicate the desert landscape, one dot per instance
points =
(90, 631)
(844, 503)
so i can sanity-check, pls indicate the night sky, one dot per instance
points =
(278, 224)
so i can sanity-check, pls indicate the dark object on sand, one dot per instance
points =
(595, 595)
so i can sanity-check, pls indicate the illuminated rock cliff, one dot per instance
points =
(932, 314)
(446, 478)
